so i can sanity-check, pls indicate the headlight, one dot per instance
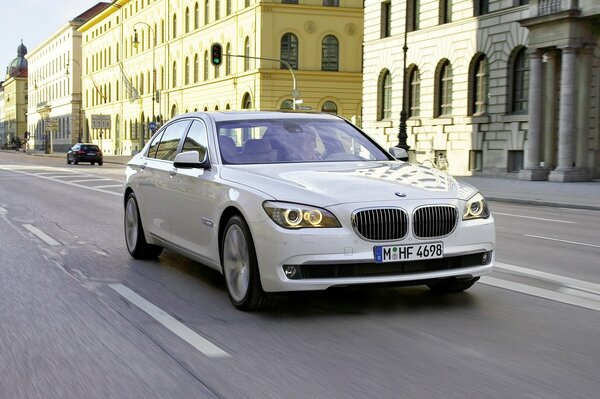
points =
(296, 216)
(476, 208)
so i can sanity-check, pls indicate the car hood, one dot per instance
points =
(348, 182)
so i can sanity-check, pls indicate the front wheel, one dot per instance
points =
(134, 232)
(240, 267)
(451, 285)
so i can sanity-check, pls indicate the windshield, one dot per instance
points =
(294, 140)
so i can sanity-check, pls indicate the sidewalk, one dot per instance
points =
(585, 195)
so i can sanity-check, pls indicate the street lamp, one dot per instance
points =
(402, 135)
(136, 43)
(80, 111)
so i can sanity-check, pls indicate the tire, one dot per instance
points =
(134, 232)
(100, 163)
(68, 161)
(240, 267)
(452, 285)
(75, 161)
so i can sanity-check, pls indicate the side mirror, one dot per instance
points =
(399, 153)
(190, 159)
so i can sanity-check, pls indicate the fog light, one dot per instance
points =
(292, 272)
(486, 258)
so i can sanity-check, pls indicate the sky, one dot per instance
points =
(33, 21)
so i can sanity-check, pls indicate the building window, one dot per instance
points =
(246, 54)
(329, 53)
(515, 161)
(289, 1)
(196, 68)
(205, 76)
(482, 7)
(217, 10)
(174, 26)
(414, 92)
(228, 59)
(478, 86)
(246, 3)
(287, 104)
(520, 81)
(187, 19)
(174, 78)
(475, 160)
(445, 11)
(289, 50)
(228, 7)
(330, 107)
(413, 15)
(522, 2)
(187, 71)
(206, 12)
(386, 18)
(385, 96)
(196, 16)
(444, 89)
(247, 101)
(331, 3)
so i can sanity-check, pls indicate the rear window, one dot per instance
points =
(90, 147)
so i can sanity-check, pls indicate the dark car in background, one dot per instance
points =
(84, 152)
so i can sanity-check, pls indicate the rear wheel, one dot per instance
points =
(134, 232)
(68, 161)
(75, 161)
(100, 163)
(240, 267)
(450, 285)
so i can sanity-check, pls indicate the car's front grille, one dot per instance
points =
(434, 221)
(319, 271)
(381, 224)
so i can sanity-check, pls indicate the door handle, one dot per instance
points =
(143, 166)
(173, 172)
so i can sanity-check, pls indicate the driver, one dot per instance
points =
(305, 146)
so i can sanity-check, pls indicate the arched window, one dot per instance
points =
(217, 10)
(228, 59)
(187, 19)
(174, 77)
(247, 101)
(162, 78)
(196, 68)
(187, 71)
(173, 111)
(287, 104)
(520, 81)
(443, 89)
(385, 96)
(329, 107)
(117, 90)
(141, 87)
(246, 54)
(196, 16)
(174, 26)
(289, 50)
(329, 53)
(228, 7)
(205, 76)
(414, 92)
(206, 12)
(162, 31)
(227, 107)
(478, 85)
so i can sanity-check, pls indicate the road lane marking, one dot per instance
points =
(2, 210)
(583, 294)
(89, 180)
(109, 186)
(41, 235)
(534, 218)
(542, 293)
(178, 328)
(565, 241)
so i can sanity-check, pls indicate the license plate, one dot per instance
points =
(401, 253)
(91, 153)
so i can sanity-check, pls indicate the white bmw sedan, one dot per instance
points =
(281, 201)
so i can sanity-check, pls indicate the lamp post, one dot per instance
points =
(402, 135)
(136, 43)
(80, 112)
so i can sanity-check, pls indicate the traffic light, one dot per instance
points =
(216, 52)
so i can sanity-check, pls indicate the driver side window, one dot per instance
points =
(197, 139)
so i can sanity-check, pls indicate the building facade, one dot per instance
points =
(483, 87)
(54, 111)
(14, 88)
(147, 61)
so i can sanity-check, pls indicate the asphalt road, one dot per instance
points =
(81, 318)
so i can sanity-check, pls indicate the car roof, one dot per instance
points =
(221, 116)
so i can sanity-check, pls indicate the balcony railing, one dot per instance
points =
(546, 7)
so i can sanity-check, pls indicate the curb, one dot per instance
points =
(544, 203)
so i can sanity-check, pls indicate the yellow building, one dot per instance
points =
(134, 52)
(14, 117)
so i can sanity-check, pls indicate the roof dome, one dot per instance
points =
(18, 66)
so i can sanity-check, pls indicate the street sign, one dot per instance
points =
(51, 125)
(304, 107)
(101, 122)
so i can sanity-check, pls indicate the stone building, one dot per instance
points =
(147, 61)
(14, 89)
(495, 87)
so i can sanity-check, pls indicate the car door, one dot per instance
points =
(195, 206)
(156, 196)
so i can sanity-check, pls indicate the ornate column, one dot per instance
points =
(567, 127)
(584, 74)
(532, 169)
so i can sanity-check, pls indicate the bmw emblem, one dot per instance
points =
(401, 195)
